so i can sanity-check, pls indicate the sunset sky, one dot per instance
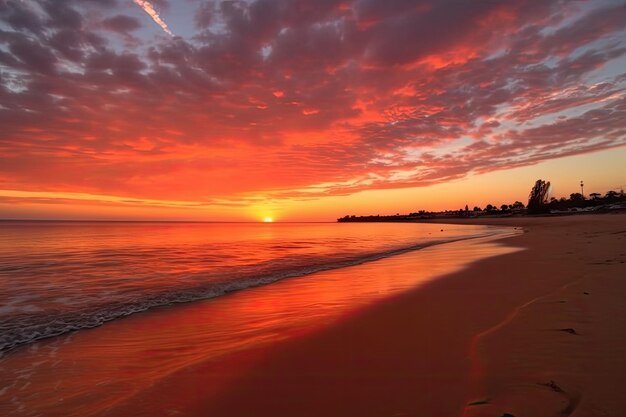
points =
(304, 109)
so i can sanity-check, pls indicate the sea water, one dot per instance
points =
(211, 295)
(57, 277)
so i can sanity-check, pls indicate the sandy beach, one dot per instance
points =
(537, 332)
(338, 208)
(562, 351)
(536, 329)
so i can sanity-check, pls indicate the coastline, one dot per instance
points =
(533, 332)
(487, 340)
(115, 366)
(60, 325)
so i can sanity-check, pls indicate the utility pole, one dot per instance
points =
(582, 189)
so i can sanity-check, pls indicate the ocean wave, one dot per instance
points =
(20, 329)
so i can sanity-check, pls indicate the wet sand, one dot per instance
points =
(534, 332)
(169, 360)
(538, 332)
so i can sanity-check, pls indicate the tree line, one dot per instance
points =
(539, 202)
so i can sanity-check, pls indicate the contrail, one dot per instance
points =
(149, 8)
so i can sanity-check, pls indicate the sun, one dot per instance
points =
(267, 219)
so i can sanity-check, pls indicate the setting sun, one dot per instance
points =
(267, 219)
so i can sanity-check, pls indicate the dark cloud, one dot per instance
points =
(204, 15)
(121, 23)
(19, 17)
(32, 55)
(62, 15)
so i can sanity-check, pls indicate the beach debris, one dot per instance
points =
(568, 330)
(442, 230)
(585, 292)
(507, 415)
(478, 402)
(552, 385)
(572, 399)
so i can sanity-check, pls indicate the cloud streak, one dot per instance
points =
(151, 11)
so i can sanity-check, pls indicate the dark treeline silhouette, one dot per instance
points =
(489, 209)
(595, 200)
(538, 203)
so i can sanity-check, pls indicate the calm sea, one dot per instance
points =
(57, 277)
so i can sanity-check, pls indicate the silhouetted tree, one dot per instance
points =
(538, 197)
(577, 197)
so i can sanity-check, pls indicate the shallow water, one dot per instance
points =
(93, 372)
(57, 277)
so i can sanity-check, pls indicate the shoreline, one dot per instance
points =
(454, 346)
(323, 371)
(262, 280)
(115, 366)
(534, 332)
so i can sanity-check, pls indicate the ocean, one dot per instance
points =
(206, 291)
(57, 277)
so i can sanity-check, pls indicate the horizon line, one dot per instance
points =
(156, 221)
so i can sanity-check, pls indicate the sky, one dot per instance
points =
(305, 110)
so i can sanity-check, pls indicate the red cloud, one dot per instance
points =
(300, 98)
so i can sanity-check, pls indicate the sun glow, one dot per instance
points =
(268, 219)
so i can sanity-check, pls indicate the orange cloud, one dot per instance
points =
(271, 100)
